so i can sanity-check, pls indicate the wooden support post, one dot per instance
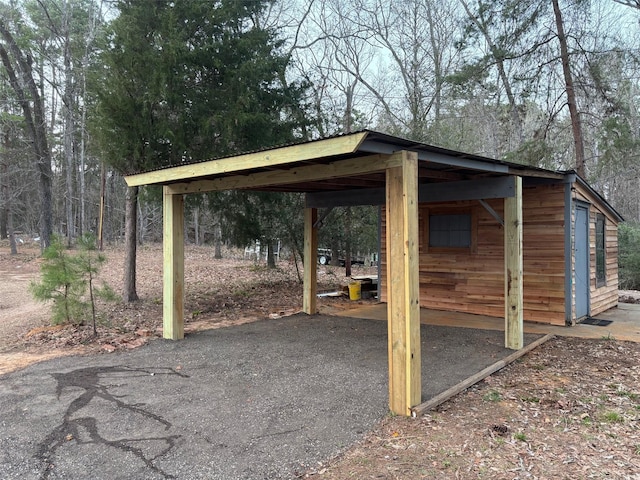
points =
(310, 299)
(173, 266)
(403, 292)
(513, 276)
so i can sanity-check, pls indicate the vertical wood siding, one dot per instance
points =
(604, 297)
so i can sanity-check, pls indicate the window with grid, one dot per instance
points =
(450, 230)
(601, 268)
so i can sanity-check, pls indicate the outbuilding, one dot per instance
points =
(460, 232)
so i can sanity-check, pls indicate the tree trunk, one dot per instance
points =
(218, 241)
(67, 102)
(3, 222)
(4, 186)
(347, 253)
(271, 258)
(69, 196)
(83, 184)
(576, 125)
(12, 237)
(131, 222)
(335, 253)
(103, 189)
(438, 75)
(348, 110)
(46, 207)
(6, 215)
(6, 226)
(141, 222)
(83, 124)
(196, 225)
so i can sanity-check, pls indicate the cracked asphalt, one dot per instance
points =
(263, 400)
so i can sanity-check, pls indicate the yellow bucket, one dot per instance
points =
(354, 291)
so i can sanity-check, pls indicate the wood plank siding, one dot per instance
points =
(472, 279)
(605, 296)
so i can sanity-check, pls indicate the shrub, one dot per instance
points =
(629, 256)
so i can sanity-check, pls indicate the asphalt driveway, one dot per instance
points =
(258, 401)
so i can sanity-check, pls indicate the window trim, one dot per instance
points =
(466, 210)
(601, 276)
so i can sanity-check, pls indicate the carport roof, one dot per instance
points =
(437, 164)
(340, 163)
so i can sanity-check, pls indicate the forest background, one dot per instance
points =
(91, 90)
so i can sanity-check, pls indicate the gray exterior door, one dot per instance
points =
(581, 258)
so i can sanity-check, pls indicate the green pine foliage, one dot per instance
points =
(89, 260)
(185, 81)
(60, 283)
(629, 256)
(68, 281)
(195, 80)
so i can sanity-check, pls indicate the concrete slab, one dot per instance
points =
(261, 400)
(625, 321)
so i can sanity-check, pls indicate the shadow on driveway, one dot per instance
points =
(256, 401)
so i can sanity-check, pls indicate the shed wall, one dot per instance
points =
(472, 280)
(604, 297)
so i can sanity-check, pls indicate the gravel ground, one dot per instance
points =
(268, 399)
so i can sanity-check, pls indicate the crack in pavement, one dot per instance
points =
(91, 380)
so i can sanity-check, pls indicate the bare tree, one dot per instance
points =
(6, 200)
(629, 3)
(414, 37)
(500, 47)
(576, 125)
(388, 61)
(18, 62)
(68, 100)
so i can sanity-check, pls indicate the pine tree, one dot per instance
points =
(88, 261)
(189, 81)
(69, 281)
(62, 283)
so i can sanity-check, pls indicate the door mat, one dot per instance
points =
(596, 321)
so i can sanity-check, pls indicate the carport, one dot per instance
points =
(363, 168)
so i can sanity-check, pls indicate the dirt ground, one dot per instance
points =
(223, 292)
(569, 409)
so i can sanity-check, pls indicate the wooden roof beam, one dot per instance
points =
(347, 144)
(311, 173)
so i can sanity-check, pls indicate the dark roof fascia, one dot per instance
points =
(571, 176)
(430, 155)
(376, 142)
